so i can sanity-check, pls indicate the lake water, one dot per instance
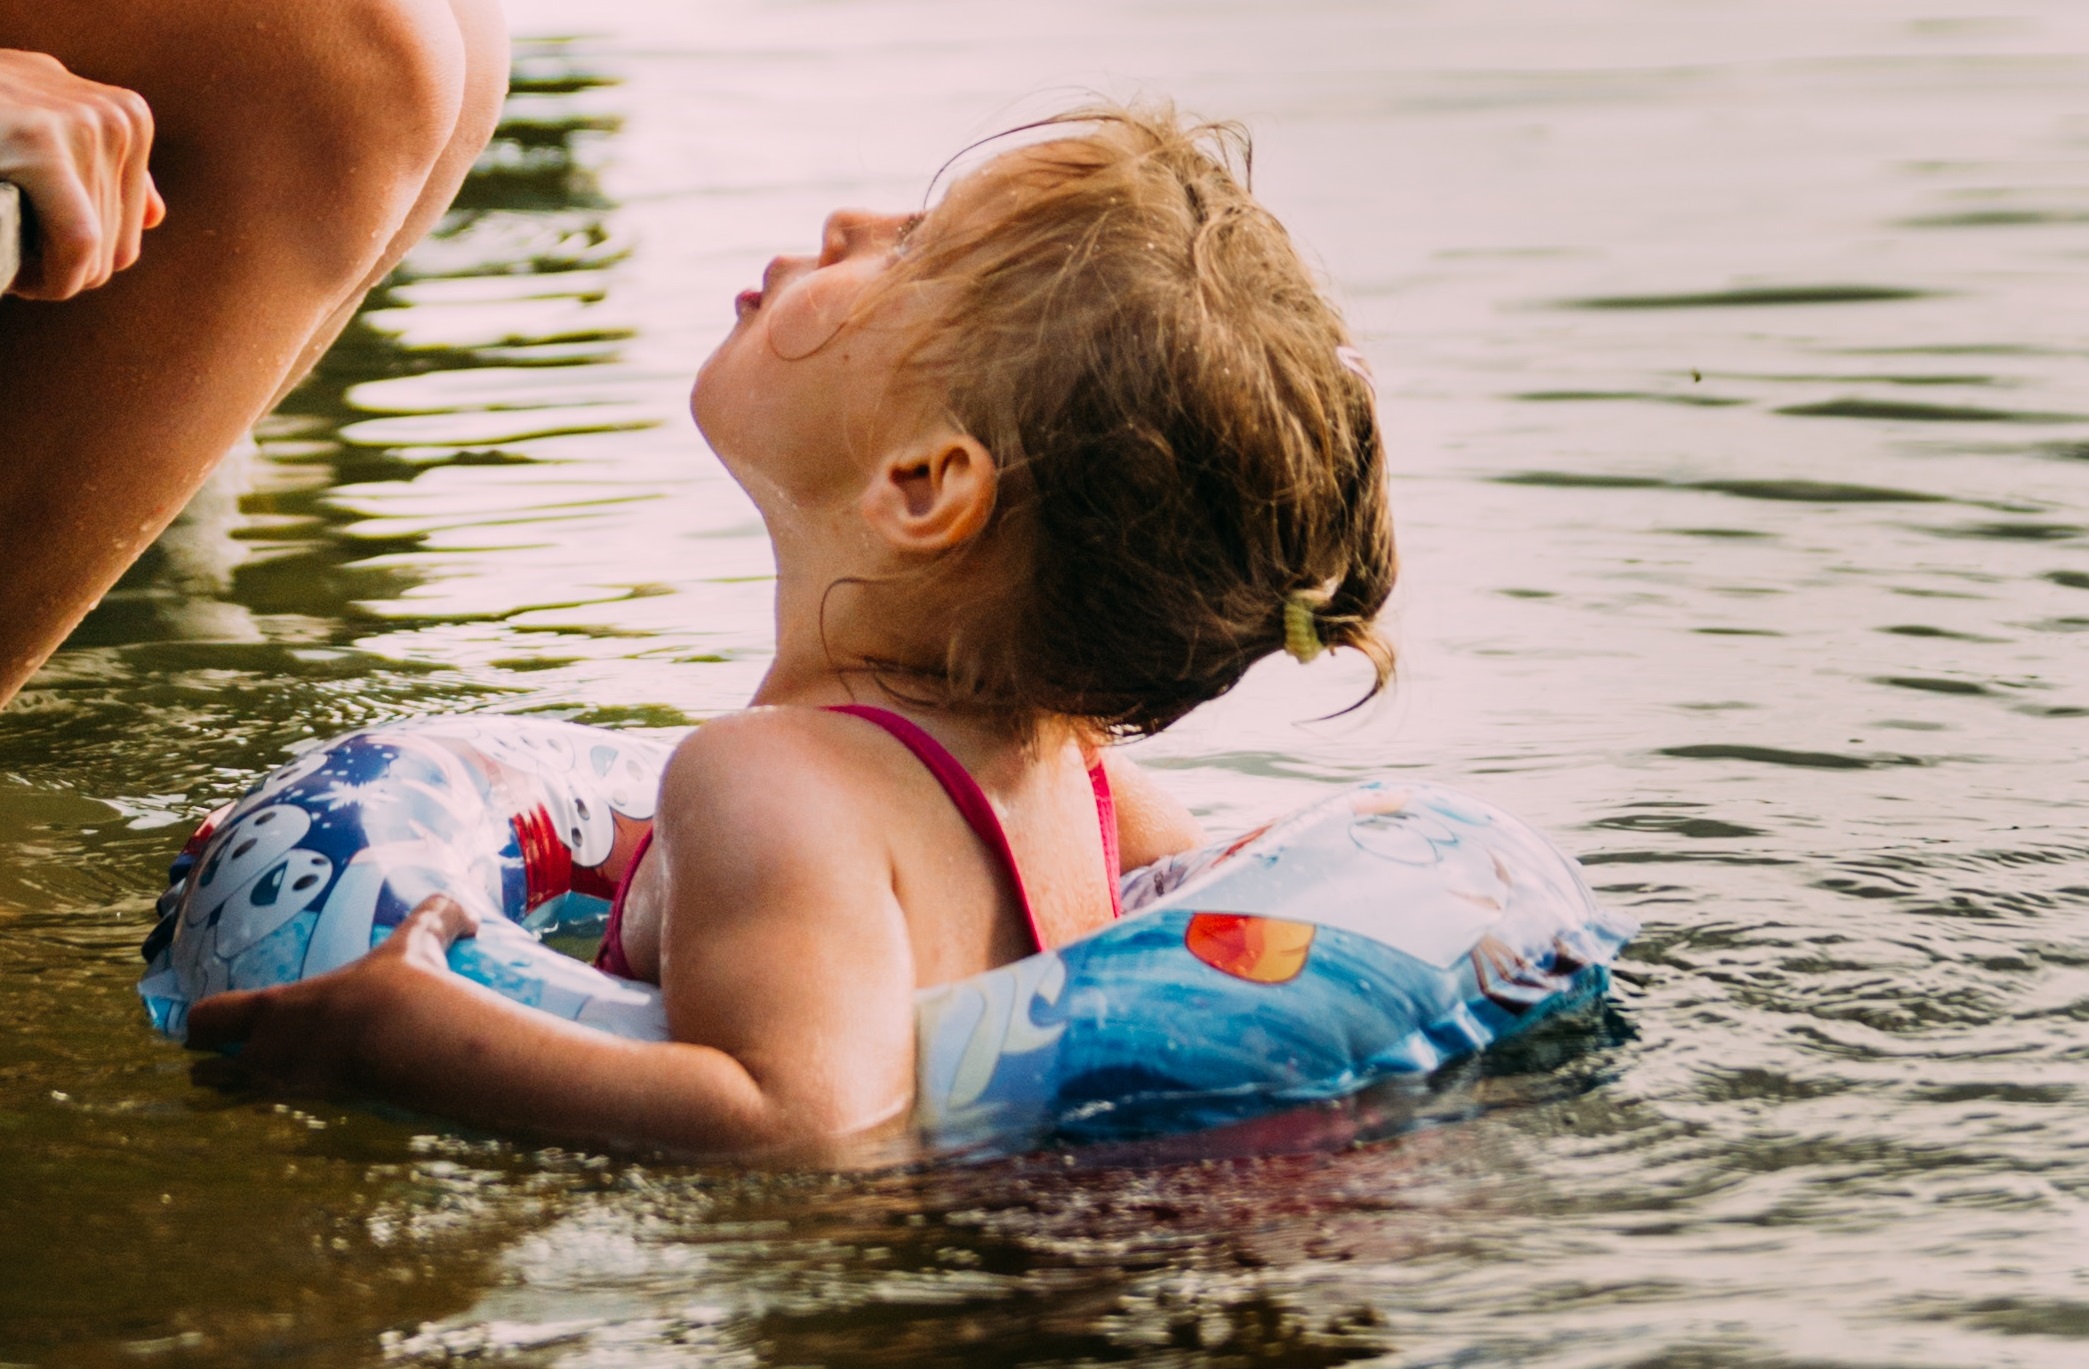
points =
(1732, 355)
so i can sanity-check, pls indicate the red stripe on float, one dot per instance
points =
(547, 862)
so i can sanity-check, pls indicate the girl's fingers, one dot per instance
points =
(217, 1072)
(224, 1018)
(233, 1016)
(430, 928)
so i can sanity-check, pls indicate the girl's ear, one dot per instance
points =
(934, 493)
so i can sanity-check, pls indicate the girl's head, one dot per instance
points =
(1115, 438)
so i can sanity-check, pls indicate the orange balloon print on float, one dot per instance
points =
(1262, 949)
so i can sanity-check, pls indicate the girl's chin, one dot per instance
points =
(697, 407)
(705, 383)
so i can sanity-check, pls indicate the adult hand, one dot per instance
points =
(314, 1036)
(77, 149)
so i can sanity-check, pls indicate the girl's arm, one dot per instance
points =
(1151, 822)
(400, 1025)
(786, 970)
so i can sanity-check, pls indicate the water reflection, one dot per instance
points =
(1731, 359)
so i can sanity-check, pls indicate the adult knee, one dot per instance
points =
(361, 99)
(484, 27)
(410, 78)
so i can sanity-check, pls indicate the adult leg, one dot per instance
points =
(301, 149)
(485, 35)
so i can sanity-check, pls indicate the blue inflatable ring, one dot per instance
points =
(1383, 931)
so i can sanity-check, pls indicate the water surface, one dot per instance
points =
(1733, 359)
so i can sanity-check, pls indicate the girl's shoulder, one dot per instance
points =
(773, 816)
(801, 804)
(773, 743)
(781, 783)
(776, 756)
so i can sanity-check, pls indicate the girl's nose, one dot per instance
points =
(849, 231)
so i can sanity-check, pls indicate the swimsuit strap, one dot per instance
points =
(609, 958)
(1106, 818)
(964, 791)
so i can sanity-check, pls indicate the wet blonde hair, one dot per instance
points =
(1186, 443)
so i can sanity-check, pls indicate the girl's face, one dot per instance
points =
(802, 395)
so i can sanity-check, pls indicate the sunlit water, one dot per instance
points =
(1732, 355)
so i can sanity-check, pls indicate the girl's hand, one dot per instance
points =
(312, 1037)
(77, 149)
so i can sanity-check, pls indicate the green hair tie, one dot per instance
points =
(1301, 633)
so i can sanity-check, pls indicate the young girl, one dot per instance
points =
(1047, 466)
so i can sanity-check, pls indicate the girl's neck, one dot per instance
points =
(835, 608)
(822, 629)
(809, 620)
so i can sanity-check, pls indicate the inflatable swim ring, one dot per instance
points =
(1384, 930)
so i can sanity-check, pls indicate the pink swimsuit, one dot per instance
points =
(964, 791)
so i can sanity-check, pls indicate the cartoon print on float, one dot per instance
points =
(1514, 978)
(528, 819)
(1390, 825)
(995, 1017)
(579, 809)
(1261, 950)
(253, 883)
